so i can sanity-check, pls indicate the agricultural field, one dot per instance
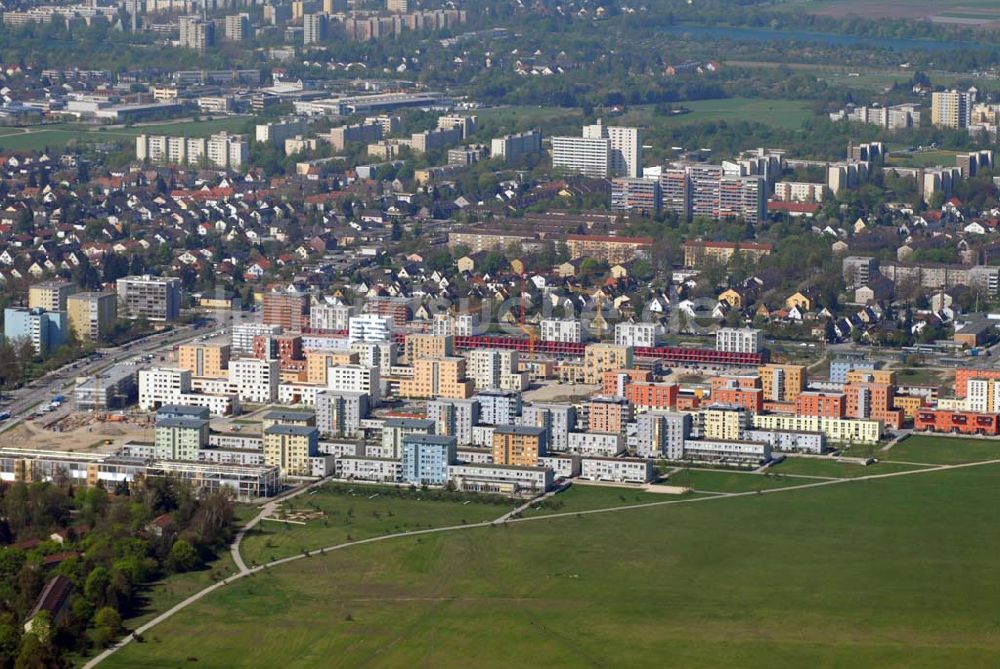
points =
(348, 513)
(750, 581)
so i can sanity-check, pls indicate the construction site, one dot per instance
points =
(67, 430)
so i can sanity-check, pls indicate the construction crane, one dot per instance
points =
(524, 310)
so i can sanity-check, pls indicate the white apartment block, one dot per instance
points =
(718, 449)
(381, 354)
(369, 327)
(355, 379)
(599, 444)
(243, 335)
(369, 469)
(635, 334)
(498, 407)
(738, 340)
(500, 479)
(454, 418)
(619, 470)
(221, 150)
(510, 148)
(590, 156)
(330, 317)
(558, 420)
(563, 466)
(462, 325)
(561, 330)
(625, 148)
(798, 191)
(983, 395)
(661, 434)
(161, 385)
(494, 369)
(254, 380)
(277, 133)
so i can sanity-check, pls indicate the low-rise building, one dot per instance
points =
(619, 470)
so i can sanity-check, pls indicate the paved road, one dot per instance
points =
(244, 571)
(22, 401)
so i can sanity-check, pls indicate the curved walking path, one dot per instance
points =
(505, 518)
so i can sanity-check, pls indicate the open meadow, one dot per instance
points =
(754, 580)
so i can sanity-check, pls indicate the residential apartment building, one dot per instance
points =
(724, 422)
(561, 329)
(454, 418)
(92, 315)
(237, 27)
(339, 413)
(618, 470)
(512, 148)
(636, 195)
(179, 438)
(155, 298)
(498, 407)
(609, 249)
(221, 150)
(697, 253)
(330, 317)
(291, 448)
(369, 328)
(46, 330)
(608, 414)
(205, 359)
(590, 156)
(426, 458)
(799, 191)
(518, 445)
(50, 295)
(357, 379)
(625, 148)
(395, 430)
(495, 369)
(196, 33)
(635, 334)
(661, 434)
(428, 346)
(738, 340)
(254, 381)
(314, 28)
(951, 109)
(557, 420)
(437, 377)
(289, 311)
(782, 383)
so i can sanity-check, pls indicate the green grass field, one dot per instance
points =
(943, 450)
(582, 497)
(897, 572)
(349, 517)
(56, 137)
(834, 469)
(168, 591)
(722, 481)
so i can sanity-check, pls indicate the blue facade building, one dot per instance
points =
(46, 330)
(426, 458)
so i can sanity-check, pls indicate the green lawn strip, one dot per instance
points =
(706, 480)
(943, 450)
(350, 517)
(583, 497)
(750, 581)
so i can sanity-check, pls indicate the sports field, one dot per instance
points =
(888, 572)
